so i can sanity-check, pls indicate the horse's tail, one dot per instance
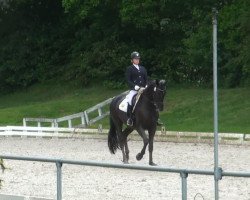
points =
(112, 137)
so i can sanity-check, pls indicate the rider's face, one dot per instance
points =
(136, 61)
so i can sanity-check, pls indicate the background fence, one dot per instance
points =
(162, 135)
(81, 119)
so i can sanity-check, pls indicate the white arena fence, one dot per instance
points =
(81, 119)
(168, 136)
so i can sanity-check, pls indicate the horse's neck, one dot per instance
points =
(147, 97)
(147, 101)
(147, 109)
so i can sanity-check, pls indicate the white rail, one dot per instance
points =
(168, 136)
(84, 116)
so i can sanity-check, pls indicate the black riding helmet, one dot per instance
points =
(135, 55)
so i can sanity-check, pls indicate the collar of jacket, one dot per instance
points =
(136, 66)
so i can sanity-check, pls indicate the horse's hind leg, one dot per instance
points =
(125, 133)
(151, 134)
(122, 140)
(145, 143)
(124, 157)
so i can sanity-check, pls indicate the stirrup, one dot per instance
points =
(130, 122)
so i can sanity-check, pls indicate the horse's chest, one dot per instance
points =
(146, 119)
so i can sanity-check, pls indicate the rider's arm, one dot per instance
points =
(129, 78)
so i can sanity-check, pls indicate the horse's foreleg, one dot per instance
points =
(142, 133)
(151, 147)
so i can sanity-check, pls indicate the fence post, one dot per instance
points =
(24, 122)
(184, 176)
(86, 118)
(59, 179)
(100, 111)
(69, 123)
(55, 123)
(215, 88)
(83, 121)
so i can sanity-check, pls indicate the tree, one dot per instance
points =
(85, 41)
(232, 37)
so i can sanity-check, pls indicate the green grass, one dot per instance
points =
(186, 109)
(192, 109)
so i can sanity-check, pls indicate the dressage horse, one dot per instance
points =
(146, 114)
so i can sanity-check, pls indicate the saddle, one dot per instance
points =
(123, 106)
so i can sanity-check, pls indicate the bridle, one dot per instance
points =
(158, 102)
(155, 103)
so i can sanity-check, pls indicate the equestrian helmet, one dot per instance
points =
(135, 55)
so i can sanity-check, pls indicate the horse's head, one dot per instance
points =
(156, 91)
(159, 94)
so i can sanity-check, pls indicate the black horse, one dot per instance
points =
(146, 114)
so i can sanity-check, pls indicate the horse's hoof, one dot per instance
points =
(139, 156)
(127, 157)
(152, 164)
(125, 162)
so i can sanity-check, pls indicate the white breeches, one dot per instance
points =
(130, 96)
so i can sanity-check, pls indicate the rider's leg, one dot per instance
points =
(129, 115)
(130, 107)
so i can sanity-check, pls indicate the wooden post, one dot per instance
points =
(83, 121)
(86, 118)
(69, 123)
(100, 111)
(24, 122)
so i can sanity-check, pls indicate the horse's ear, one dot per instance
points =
(157, 82)
(162, 82)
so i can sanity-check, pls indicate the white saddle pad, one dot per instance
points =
(124, 105)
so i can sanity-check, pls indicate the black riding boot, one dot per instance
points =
(129, 115)
(159, 123)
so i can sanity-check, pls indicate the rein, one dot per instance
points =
(160, 89)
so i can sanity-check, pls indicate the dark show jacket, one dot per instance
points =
(136, 77)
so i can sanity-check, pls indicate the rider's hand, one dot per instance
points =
(137, 87)
(140, 91)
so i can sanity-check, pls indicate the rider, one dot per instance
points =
(136, 76)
